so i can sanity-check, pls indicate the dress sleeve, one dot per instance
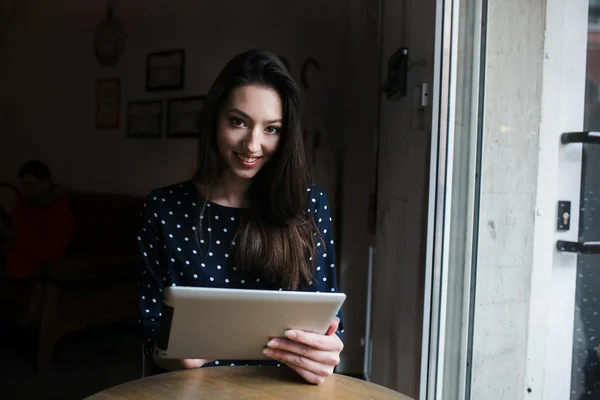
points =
(325, 274)
(151, 274)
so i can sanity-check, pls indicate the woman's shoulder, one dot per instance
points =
(173, 190)
(171, 194)
(315, 193)
(317, 200)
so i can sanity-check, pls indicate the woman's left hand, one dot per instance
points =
(311, 355)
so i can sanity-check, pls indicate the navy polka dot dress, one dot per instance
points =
(172, 255)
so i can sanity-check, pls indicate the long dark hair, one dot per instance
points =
(277, 233)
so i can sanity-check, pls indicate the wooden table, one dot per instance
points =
(267, 383)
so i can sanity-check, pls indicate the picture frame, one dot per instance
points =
(144, 119)
(165, 70)
(183, 116)
(108, 103)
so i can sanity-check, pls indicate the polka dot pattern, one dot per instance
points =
(173, 254)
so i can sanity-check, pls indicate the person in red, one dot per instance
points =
(42, 223)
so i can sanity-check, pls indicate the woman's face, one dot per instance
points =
(249, 128)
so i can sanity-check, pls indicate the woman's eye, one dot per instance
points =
(274, 130)
(236, 122)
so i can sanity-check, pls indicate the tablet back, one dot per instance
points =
(236, 324)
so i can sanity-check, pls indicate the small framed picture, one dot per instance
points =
(108, 103)
(144, 119)
(165, 70)
(183, 116)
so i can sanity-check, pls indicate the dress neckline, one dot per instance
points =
(201, 199)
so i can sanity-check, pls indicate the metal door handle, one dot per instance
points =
(580, 137)
(578, 247)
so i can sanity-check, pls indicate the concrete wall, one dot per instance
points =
(512, 106)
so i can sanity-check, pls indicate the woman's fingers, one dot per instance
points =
(308, 376)
(299, 362)
(317, 341)
(321, 356)
(335, 324)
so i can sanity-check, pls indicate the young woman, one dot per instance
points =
(249, 219)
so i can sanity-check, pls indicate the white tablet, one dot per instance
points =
(236, 324)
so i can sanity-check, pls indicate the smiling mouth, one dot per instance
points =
(248, 160)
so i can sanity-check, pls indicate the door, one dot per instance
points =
(585, 364)
(574, 288)
(403, 168)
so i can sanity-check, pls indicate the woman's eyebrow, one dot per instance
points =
(243, 114)
(238, 111)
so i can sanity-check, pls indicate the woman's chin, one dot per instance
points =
(245, 173)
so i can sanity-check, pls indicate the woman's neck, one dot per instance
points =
(231, 191)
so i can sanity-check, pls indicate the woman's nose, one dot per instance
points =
(253, 141)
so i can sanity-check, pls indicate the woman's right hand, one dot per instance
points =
(175, 364)
(178, 365)
(194, 363)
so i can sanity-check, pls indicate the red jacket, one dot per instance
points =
(43, 234)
